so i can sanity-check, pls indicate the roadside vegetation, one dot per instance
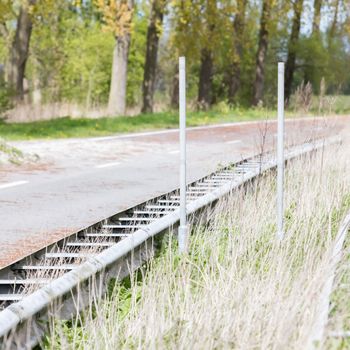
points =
(58, 70)
(67, 127)
(10, 154)
(339, 318)
(57, 58)
(239, 287)
(87, 127)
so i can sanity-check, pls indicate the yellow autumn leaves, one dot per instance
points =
(117, 15)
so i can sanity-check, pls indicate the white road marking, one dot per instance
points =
(107, 165)
(174, 152)
(233, 141)
(13, 184)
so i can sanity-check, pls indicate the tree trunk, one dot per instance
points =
(293, 41)
(88, 103)
(315, 35)
(205, 80)
(258, 87)
(317, 17)
(37, 95)
(20, 52)
(333, 28)
(149, 77)
(175, 90)
(234, 76)
(117, 92)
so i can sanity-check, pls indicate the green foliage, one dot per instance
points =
(3, 49)
(137, 58)
(70, 56)
(5, 98)
(13, 154)
(5, 93)
(86, 73)
(315, 57)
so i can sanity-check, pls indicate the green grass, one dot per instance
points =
(84, 127)
(13, 154)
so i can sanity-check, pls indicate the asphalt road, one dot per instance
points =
(78, 182)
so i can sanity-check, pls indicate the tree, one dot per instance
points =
(210, 26)
(6, 13)
(117, 16)
(337, 43)
(333, 28)
(292, 48)
(20, 50)
(174, 102)
(185, 40)
(65, 55)
(234, 74)
(153, 34)
(258, 86)
(205, 79)
(317, 17)
(198, 35)
(314, 46)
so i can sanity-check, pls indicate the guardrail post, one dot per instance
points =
(182, 232)
(280, 152)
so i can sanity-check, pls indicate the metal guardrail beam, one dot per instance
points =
(112, 262)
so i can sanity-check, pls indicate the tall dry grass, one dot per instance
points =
(34, 112)
(239, 287)
(24, 113)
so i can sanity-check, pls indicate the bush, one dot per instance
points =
(5, 99)
(222, 107)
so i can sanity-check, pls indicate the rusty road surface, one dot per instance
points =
(78, 182)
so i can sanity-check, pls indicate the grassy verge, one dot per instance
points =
(239, 287)
(83, 127)
(338, 327)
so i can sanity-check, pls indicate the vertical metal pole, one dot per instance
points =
(182, 233)
(280, 151)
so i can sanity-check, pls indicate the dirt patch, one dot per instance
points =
(24, 247)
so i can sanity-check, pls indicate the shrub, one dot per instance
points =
(5, 98)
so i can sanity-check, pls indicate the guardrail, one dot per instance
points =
(23, 323)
